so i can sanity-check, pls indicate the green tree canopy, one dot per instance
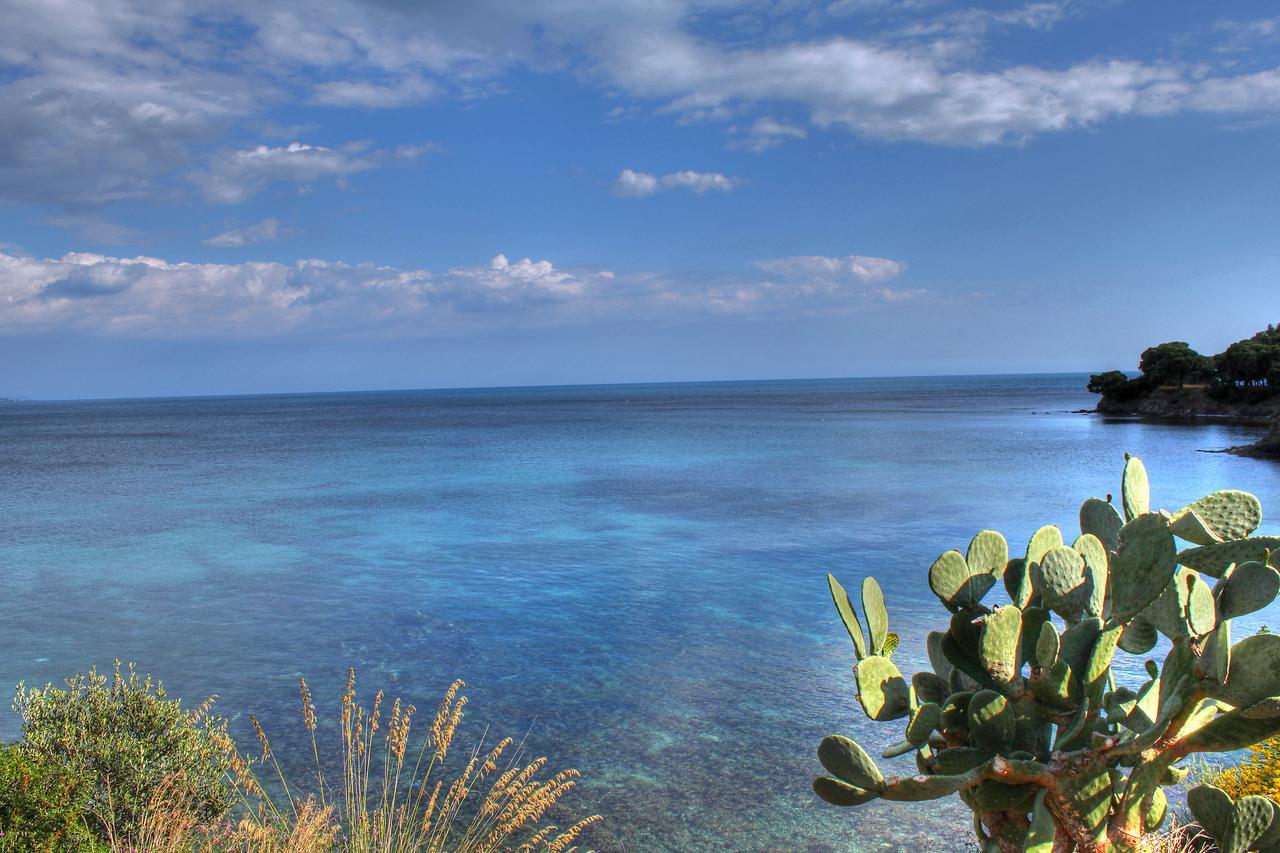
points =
(1174, 363)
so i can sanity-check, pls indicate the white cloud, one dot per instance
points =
(366, 93)
(145, 296)
(261, 232)
(234, 176)
(856, 268)
(118, 99)
(633, 184)
(767, 132)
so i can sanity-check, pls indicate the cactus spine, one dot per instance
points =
(1021, 716)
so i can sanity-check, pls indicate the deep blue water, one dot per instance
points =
(633, 574)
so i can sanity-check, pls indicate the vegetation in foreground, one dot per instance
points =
(1026, 723)
(114, 765)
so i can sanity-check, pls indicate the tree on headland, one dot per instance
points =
(1248, 368)
(1250, 363)
(1175, 363)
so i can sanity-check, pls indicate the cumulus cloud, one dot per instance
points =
(146, 296)
(235, 176)
(260, 232)
(633, 184)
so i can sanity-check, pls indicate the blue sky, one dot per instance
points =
(243, 197)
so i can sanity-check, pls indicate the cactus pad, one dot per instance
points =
(850, 619)
(877, 617)
(1143, 565)
(1254, 674)
(1214, 559)
(882, 691)
(1248, 587)
(1135, 489)
(1226, 515)
(849, 762)
(958, 586)
(1103, 520)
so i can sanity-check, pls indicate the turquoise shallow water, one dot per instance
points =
(633, 574)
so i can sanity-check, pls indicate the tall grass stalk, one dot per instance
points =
(385, 803)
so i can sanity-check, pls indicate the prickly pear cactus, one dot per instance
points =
(1249, 823)
(1021, 715)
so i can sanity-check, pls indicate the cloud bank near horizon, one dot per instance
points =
(151, 297)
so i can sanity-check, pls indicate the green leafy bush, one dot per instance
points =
(43, 804)
(130, 740)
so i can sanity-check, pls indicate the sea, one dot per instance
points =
(630, 579)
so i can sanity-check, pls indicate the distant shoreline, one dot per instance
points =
(1194, 403)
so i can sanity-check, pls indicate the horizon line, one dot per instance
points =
(529, 387)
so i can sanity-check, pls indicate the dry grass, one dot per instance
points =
(393, 796)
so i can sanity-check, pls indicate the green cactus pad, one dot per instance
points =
(1213, 560)
(1238, 729)
(1156, 811)
(991, 720)
(1000, 644)
(1102, 520)
(841, 793)
(1042, 542)
(1251, 819)
(930, 687)
(939, 662)
(955, 584)
(1135, 488)
(1095, 672)
(988, 552)
(1214, 663)
(1056, 688)
(1139, 637)
(877, 616)
(1096, 564)
(1211, 807)
(850, 619)
(1017, 582)
(1254, 672)
(1061, 580)
(1077, 642)
(1047, 646)
(882, 691)
(849, 762)
(1188, 525)
(1142, 566)
(1202, 607)
(1228, 515)
(923, 722)
(1248, 587)
(961, 759)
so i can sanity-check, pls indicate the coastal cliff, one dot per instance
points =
(1189, 402)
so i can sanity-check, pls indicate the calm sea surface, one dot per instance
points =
(634, 575)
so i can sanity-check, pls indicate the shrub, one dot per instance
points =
(43, 804)
(130, 740)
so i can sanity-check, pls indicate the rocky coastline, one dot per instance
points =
(1193, 402)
